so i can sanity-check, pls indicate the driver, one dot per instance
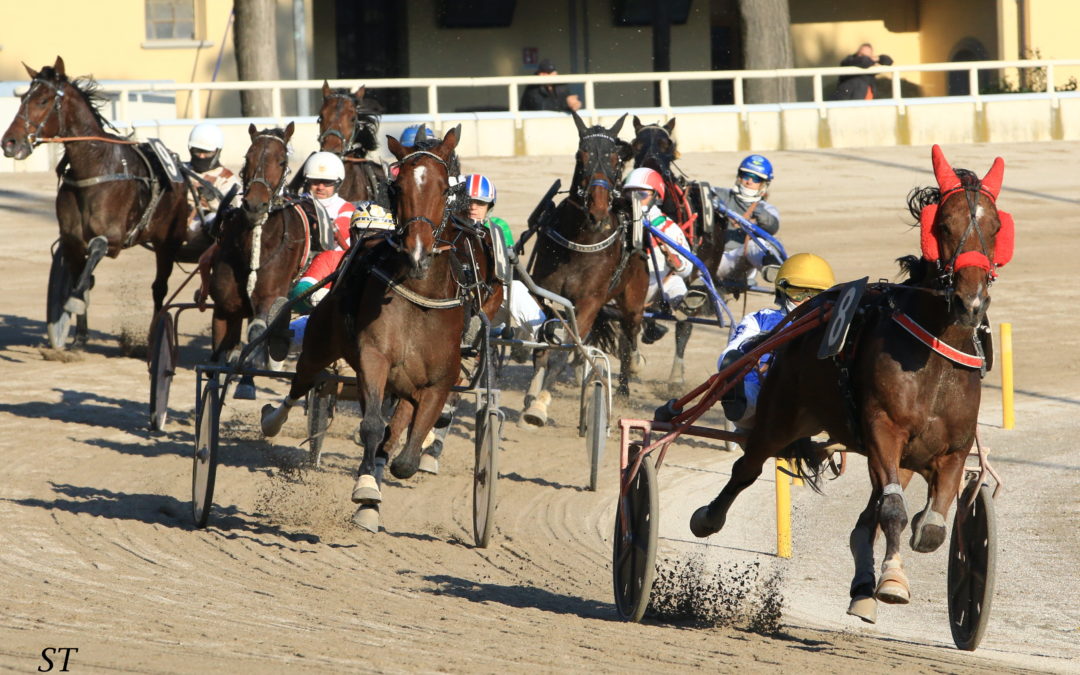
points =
(801, 277)
(743, 257)
(323, 173)
(668, 269)
(204, 144)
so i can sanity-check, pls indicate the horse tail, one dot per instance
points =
(807, 460)
(604, 334)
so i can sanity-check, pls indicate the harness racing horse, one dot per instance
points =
(348, 127)
(585, 256)
(112, 196)
(397, 316)
(244, 285)
(905, 389)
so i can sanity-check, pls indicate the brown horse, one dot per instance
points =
(910, 404)
(111, 194)
(586, 257)
(283, 244)
(397, 317)
(348, 127)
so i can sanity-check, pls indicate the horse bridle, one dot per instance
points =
(347, 144)
(667, 157)
(612, 175)
(58, 102)
(277, 191)
(435, 229)
(947, 271)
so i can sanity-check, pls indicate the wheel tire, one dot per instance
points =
(162, 368)
(320, 410)
(972, 566)
(58, 321)
(596, 429)
(634, 556)
(206, 449)
(485, 474)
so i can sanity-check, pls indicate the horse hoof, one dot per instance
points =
(893, 587)
(75, 305)
(366, 491)
(429, 464)
(536, 414)
(864, 607)
(404, 466)
(702, 525)
(927, 532)
(367, 518)
(245, 391)
(271, 421)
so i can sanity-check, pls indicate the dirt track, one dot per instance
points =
(98, 552)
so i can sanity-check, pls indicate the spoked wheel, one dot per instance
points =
(485, 474)
(58, 320)
(596, 428)
(320, 409)
(162, 367)
(972, 562)
(206, 450)
(636, 526)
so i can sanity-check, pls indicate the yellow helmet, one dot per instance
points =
(805, 271)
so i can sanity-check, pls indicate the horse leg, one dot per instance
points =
(863, 603)
(429, 404)
(632, 313)
(883, 451)
(683, 329)
(372, 369)
(92, 253)
(537, 398)
(319, 353)
(928, 526)
(760, 446)
(164, 255)
(436, 438)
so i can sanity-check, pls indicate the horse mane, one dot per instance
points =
(452, 164)
(89, 90)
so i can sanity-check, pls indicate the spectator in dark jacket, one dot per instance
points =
(548, 96)
(859, 87)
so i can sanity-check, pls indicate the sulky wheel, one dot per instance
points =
(634, 555)
(206, 452)
(162, 367)
(58, 319)
(972, 559)
(485, 474)
(320, 409)
(596, 428)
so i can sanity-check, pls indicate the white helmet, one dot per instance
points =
(206, 136)
(324, 166)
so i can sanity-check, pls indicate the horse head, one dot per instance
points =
(965, 236)
(266, 167)
(40, 114)
(600, 158)
(420, 194)
(347, 121)
(653, 146)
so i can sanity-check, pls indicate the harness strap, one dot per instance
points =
(924, 336)
(415, 298)
(107, 178)
(582, 248)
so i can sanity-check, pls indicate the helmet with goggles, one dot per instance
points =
(804, 275)
(644, 178)
(754, 169)
(324, 166)
(480, 189)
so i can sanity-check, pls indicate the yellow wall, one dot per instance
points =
(1053, 33)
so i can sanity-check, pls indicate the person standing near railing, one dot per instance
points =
(859, 87)
(548, 96)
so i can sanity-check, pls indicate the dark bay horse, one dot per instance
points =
(910, 404)
(397, 317)
(586, 257)
(244, 287)
(111, 194)
(655, 148)
(349, 127)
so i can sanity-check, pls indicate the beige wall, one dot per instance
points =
(108, 41)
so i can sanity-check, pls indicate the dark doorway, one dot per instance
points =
(958, 83)
(372, 41)
(725, 43)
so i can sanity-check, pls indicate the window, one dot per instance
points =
(170, 19)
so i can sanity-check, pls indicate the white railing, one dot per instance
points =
(512, 83)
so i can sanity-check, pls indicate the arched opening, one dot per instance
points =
(968, 49)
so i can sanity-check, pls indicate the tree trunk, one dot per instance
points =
(256, 52)
(766, 33)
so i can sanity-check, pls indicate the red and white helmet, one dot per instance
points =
(645, 179)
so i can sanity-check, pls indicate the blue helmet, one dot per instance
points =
(757, 165)
(408, 137)
(480, 188)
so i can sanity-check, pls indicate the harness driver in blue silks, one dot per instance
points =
(743, 255)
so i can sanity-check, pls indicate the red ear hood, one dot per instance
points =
(946, 177)
(991, 182)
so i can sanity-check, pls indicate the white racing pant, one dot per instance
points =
(524, 310)
(746, 259)
(674, 289)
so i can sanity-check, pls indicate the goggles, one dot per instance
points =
(641, 195)
(479, 202)
(750, 177)
(799, 294)
(323, 182)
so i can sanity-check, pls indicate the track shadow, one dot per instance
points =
(153, 509)
(520, 597)
(84, 408)
(543, 482)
